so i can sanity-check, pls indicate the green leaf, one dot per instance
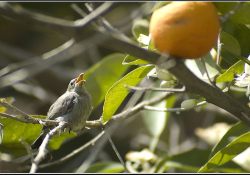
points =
(240, 32)
(131, 60)
(196, 66)
(238, 68)
(242, 15)
(231, 150)
(118, 92)
(106, 167)
(140, 26)
(230, 44)
(101, 76)
(234, 132)
(13, 130)
(155, 121)
(192, 160)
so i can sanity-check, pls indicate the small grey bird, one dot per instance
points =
(73, 107)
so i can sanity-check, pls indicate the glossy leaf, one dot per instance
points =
(140, 26)
(117, 93)
(236, 147)
(155, 121)
(237, 68)
(234, 132)
(106, 167)
(13, 130)
(230, 44)
(239, 32)
(100, 77)
(192, 160)
(131, 60)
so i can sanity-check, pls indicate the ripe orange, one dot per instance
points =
(185, 29)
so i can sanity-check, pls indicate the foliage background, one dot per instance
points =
(36, 94)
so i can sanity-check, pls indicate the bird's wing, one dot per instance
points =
(63, 105)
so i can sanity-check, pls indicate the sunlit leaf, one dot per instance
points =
(101, 76)
(118, 92)
(131, 60)
(240, 32)
(237, 146)
(106, 167)
(192, 160)
(237, 68)
(234, 132)
(14, 130)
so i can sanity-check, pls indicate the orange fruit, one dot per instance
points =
(185, 29)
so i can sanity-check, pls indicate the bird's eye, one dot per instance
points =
(71, 83)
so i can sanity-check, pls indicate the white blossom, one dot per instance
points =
(244, 79)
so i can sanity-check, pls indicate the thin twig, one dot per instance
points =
(151, 108)
(107, 25)
(226, 16)
(117, 153)
(21, 14)
(134, 88)
(42, 150)
(34, 121)
(77, 9)
(219, 44)
(15, 66)
(205, 68)
(27, 147)
(5, 104)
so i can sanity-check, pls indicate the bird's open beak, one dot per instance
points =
(80, 80)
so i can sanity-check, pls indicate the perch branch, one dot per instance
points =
(42, 150)
(73, 153)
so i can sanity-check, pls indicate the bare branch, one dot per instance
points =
(42, 150)
(34, 121)
(117, 153)
(228, 15)
(151, 108)
(23, 15)
(134, 88)
(5, 104)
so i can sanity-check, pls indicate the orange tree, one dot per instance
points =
(159, 113)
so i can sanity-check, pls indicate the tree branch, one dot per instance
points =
(33, 18)
(42, 150)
